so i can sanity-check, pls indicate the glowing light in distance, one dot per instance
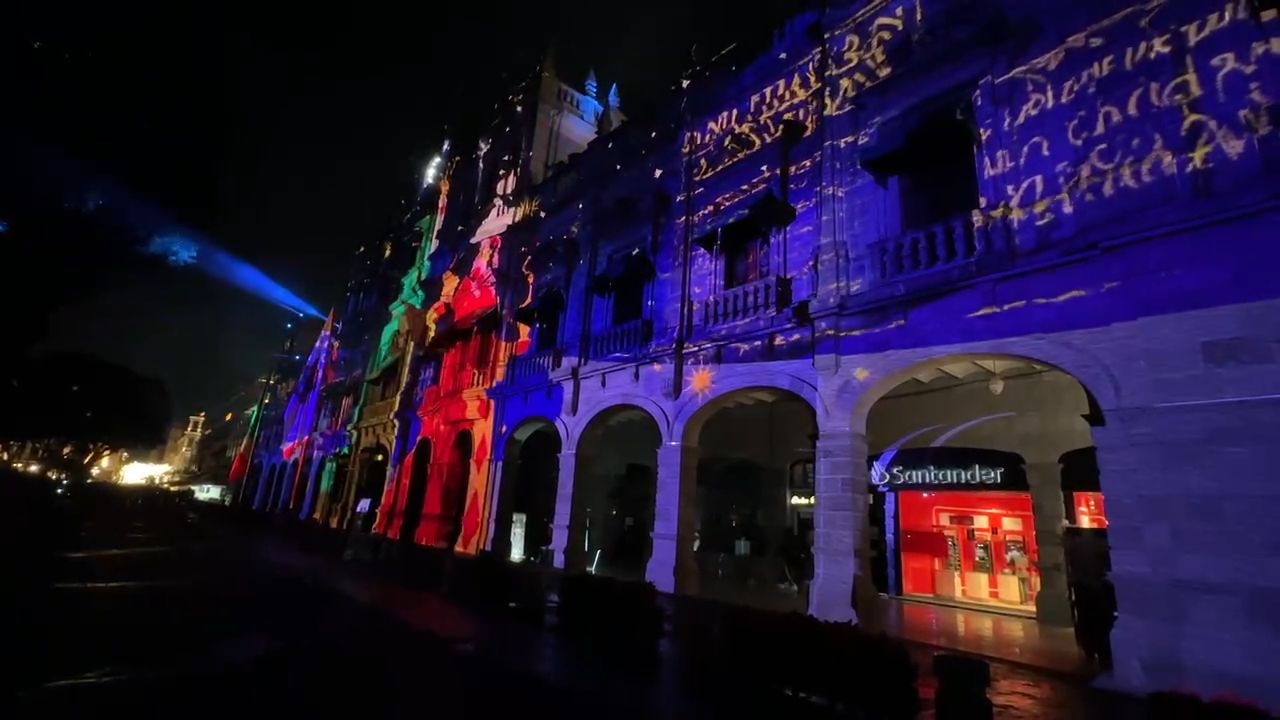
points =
(433, 169)
(140, 473)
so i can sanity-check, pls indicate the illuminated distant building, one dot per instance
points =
(183, 445)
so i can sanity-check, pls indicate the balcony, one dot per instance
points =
(949, 244)
(464, 379)
(621, 339)
(378, 411)
(535, 364)
(762, 297)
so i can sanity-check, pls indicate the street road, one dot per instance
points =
(134, 604)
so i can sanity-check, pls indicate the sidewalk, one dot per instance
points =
(1018, 691)
(1017, 640)
(521, 648)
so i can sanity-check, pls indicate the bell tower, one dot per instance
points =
(568, 118)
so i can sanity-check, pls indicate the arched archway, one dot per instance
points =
(527, 496)
(974, 461)
(611, 522)
(416, 494)
(368, 491)
(453, 491)
(753, 505)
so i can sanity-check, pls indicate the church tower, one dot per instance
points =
(568, 119)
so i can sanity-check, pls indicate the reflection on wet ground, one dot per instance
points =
(185, 622)
(1006, 637)
(147, 607)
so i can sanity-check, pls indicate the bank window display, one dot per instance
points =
(969, 547)
(957, 526)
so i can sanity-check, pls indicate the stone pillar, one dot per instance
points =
(1053, 606)
(564, 509)
(496, 481)
(309, 493)
(262, 491)
(672, 565)
(840, 544)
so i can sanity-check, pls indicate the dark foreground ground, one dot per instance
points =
(134, 603)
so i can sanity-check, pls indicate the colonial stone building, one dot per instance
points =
(929, 237)
(439, 494)
(919, 301)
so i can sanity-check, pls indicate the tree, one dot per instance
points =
(85, 400)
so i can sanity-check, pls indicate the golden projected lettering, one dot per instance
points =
(736, 133)
(862, 53)
(1085, 123)
(1045, 93)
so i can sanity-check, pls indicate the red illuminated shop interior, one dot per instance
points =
(960, 528)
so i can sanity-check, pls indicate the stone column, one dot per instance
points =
(1053, 607)
(672, 566)
(309, 493)
(262, 491)
(840, 544)
(564, 509)
(496, 481)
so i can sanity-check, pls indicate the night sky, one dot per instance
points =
(288, 139)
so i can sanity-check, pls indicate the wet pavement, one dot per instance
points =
(1019, 691)
(141, 607)
(135, 603)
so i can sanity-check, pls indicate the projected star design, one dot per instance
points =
(701, 380)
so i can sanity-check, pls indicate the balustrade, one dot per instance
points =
(535, 364)
(621, 339)
(947, 244)
(762, 297)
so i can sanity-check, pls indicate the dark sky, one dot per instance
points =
(286, 138)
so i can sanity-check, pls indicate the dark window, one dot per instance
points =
(390, 381)
(547, 311)
(802, 475)
(628, 300)
(932, 164)
(937, 179)
(546, 336)
(746, 255)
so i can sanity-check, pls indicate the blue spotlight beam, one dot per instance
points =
(181, 250)
(109, 201)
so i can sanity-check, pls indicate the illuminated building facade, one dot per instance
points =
(927, 300)
(439, 491)
(351, 426)
(945, 239)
